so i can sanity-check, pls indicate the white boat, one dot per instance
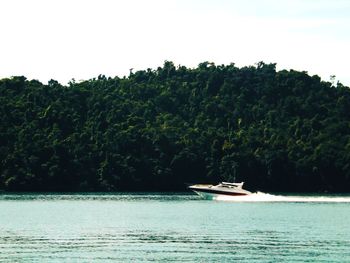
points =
(209, 191)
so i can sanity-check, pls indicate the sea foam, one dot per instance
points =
(265, 197)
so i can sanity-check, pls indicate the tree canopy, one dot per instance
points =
(159, 129)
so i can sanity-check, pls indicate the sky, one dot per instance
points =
(80, 39)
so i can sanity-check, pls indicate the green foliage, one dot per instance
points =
(159, 129)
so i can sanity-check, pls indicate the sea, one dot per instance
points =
(173, 227)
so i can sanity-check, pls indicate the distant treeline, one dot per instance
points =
(160, 129)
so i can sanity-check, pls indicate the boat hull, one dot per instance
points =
(214, 194)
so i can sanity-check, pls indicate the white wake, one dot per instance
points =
(264, 197)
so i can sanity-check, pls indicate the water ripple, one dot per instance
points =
(156, 228)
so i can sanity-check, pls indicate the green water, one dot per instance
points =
(171, 227)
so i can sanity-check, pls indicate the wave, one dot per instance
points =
(265, 197)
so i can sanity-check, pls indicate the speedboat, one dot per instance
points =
(209, 191)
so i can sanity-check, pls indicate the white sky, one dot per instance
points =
(80, 39)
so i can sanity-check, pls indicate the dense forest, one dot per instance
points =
(160, 129)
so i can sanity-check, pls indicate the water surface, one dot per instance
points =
(173, 227)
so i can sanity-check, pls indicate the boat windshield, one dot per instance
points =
(225, 184)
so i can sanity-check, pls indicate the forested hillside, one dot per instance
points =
(159, 129)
